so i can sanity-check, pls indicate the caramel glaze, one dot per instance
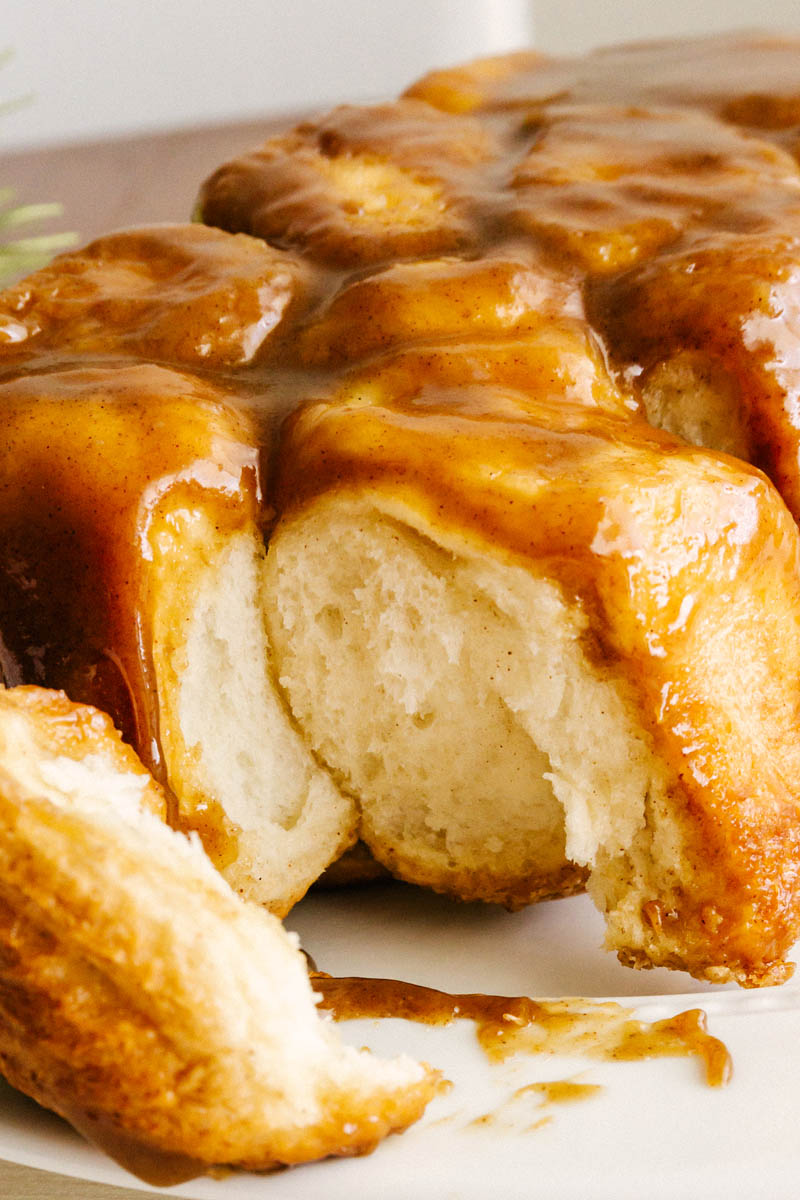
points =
(559, 1091)
(76, 529)
(545, 1095)
(420, 317)
(153, 1166)
(507, 1025)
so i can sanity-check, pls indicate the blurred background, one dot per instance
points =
(98, 68)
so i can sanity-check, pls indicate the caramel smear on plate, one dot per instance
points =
(507, 1025)
(544, 1096)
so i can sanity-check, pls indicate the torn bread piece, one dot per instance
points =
(541, 648)
(168, 1020)
(270, 817)
(131, 559)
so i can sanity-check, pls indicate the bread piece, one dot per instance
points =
(607, 187)
(709, 334)
(359, 186)
(501, 296)
(270, 816)
(389, 653)
(554, 357)
(139, 996)
(542, 641)
(184, 294)
(132, 558)
(469, 86)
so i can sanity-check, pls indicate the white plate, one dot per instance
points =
(654, 1131)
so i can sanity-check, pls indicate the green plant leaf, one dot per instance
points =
(19, 255)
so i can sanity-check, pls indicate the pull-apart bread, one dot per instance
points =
(353, 513)
(170, 1021)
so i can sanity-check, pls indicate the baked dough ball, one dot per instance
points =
(168, 1020)
(695, 225)
(743, 78)
(468, 86)
(710, 335)
(179, 293)
(498, 296)
(607, 187)
(541, 648)
(132, 558)
(360, 186)
(554, 357)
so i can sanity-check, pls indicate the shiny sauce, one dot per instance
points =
(507, 1025)
(537, 1100)
(158, 1168)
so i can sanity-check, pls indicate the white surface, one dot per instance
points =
(655, 1131)
(108, 68)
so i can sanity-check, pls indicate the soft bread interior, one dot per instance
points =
(140, 996)
(271, 818)
(452, 693)
(693, 396)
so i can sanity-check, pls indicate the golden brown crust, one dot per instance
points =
(139, 997)
(487, 885)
